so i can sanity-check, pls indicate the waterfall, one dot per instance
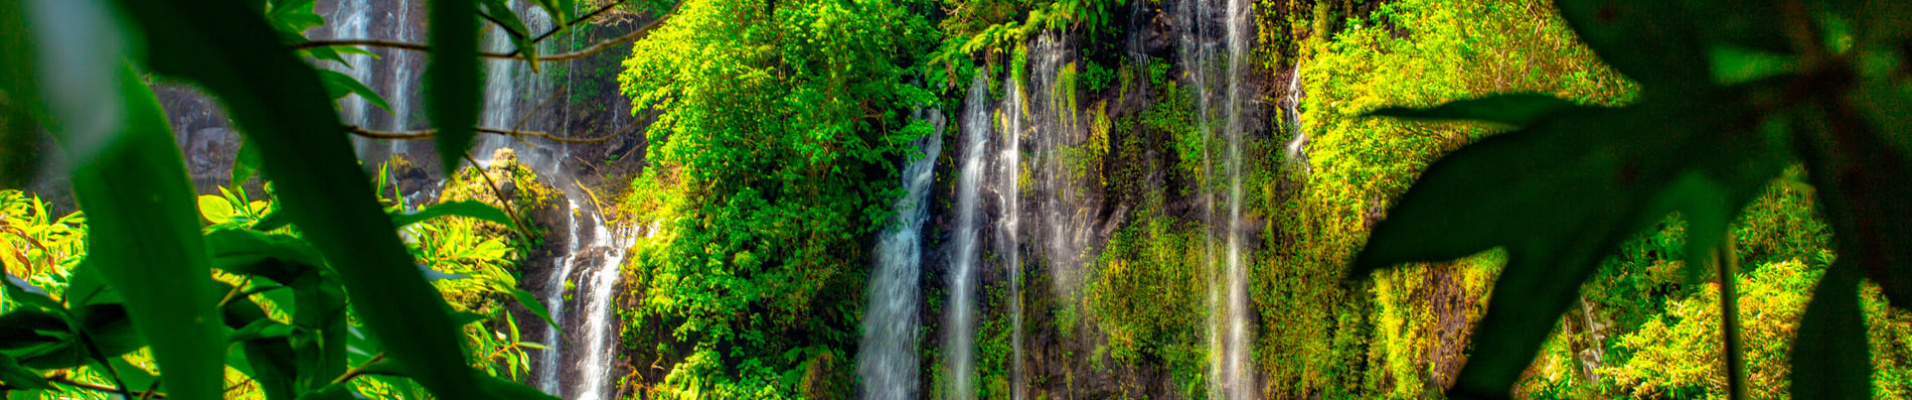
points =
(886, 359)
(1011, 216)
(1230, 338)
(1238, 380)
(594, 370)
(351, 19)
(1297, 156)
(403, 79)
(959, 346)
(548, 364)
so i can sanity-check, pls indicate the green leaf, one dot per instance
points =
(338, 85)
(215, 209)
(87, 287)
(1649, 41)
(336, 391)
(1561, 195)
(453, 80)
(1512, 109)
(531, 302)
(244, 165)
(136, 378)
(19, 377)
(282, 258)
(143, 236)
(261, 329)
(512, 390)
(280, 104)
(501, 11)
(463, 208)
(1830, 359)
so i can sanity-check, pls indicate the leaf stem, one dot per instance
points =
(1728, 266)
(360, 369)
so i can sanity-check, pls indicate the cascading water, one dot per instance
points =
(886, 359)
(1238, 379)
(404, 76)
(1009, 190)
(594, 369)
(554, 303)
(1296, 148)
(351, 19)
(959, 346)
(1229, 335)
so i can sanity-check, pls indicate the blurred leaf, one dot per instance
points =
(244, 165)
(144, 239)
(531, 302)
(1559, 196)
(280, 104)
(453, 80)
(19, 290)
(462, 208)
(501, 11)
(1649, 41)
(261, 329)
(1512, 109)
(336, 391)
(338, 85)
(1733, 64)
(283, 259)
(19, 377)
(512, 390)
(1829, 357)
(86, 286)
(435, 275)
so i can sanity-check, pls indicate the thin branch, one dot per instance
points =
(61, 378)
(432, 133)
(360, 369)
(513, 55)
(585, 17)
(501, 25)
(503, 202)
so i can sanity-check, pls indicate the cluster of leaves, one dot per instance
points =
(77, 69)
(1732, 96)
(284, 309)
(1148, 294)
(776, 119)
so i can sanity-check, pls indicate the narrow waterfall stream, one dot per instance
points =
(594, 367)
(352, 19)
(404, 78)
(554, 303)
(886, 358)
(1238, 379)
(959, 345)
(1009, 189)
(1214, 40)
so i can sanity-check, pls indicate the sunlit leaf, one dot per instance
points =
(531, 302)
(464, 208)
(215, 209)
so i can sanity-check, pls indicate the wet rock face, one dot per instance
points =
(210, 153)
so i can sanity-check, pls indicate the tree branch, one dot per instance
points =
(432, 133)
(513, 55)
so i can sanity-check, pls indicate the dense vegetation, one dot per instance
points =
(1623, 199)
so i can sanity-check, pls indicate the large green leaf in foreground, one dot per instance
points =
(282, 108)
(1559, 196)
